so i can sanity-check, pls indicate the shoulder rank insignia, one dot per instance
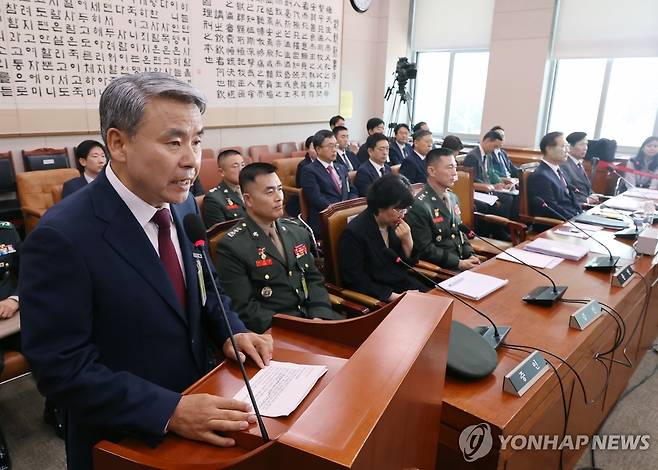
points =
(5, 224)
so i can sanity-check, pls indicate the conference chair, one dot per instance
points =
(56, 192)
(45, 159)
(286, 169)
(334, 219)
(199, 203)
(524, 206)
(209, 174)
(255, 151)
(34, 190)
(286, 148)
(338, 302)
(298, 154)
(269, 157)
(10, 209)
(208, 154)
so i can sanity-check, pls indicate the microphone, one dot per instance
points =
(196, 232)
(493, 334)
(600, 263)
(612, 169)
(542, 295)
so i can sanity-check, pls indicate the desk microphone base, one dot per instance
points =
(545, 295)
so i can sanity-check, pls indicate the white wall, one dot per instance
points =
(363, 65)
(518, 56)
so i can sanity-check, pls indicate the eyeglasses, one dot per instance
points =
(401, 212)
(329, 146)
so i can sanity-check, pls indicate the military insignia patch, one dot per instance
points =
(261, 263)
(300, 250)
(266, 292)
(437, 220)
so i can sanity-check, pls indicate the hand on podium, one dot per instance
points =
(257, 347)
(201, 416)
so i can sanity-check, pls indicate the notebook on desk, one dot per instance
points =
(599, 220)
(473, 285)
(556, 248)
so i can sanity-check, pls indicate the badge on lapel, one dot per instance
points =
(266, 292)
(264, 260)
(300, 250)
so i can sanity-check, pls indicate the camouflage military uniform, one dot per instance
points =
(222, 204)
(435, 229)
(261, 283)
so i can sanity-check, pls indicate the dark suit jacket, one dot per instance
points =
(102, 327)
(504, 160)
(320, 191)
(362, 154)
(395, 155)
(364, 266)
(414, 169)
(544, 183)
(473, 159)
(351, 156)
(580, 184)
(73, 185)
(366, 175)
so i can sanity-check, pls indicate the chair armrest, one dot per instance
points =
(547, 221)
(354, 296)
(427, 266)
(351, 308)
(433, 275)
(518, 231)
(483, 187)
(38, 213)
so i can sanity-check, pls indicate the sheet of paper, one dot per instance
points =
(536, 260)
(280, 387)
(623, 203)
(473, 285)
(572, 232)
(556, 248)
(585, 227)
(642, 193)
(486, 198)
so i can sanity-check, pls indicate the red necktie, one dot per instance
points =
(162, 219)
(335, 179)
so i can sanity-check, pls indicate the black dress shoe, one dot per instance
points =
(5, 461)
(54, 417)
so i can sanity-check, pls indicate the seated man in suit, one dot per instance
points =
(117, 327)
(324, 182)
(337, 120)
(413, 167)
(435, 217)
(265, 263)
(224, 202)
(400, 148)
(90, 158)
(574, 172)
(344, 154)
(454, 143)
(364, 264)
(547, 184)
(501, 162)
(420, 126)
(376, 166)
(373, 126)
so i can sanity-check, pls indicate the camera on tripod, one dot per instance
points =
(404, 71)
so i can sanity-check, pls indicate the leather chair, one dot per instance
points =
(237, 148)
(35, 192)
(286, 169)
(298, 154)
(56, 192)
(524, 205)
(286, 148)
(271, 156)
(16, 365)
(209, 174)
(199, 203)
(45, 159)
(208, 154)
(10, 209)
(465, 192)
(255, 151)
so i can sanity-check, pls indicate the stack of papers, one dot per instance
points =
(473, 285)
(280, 387)
(623, 203)
(486, 198)
(556, 248)
(642, 193)
(536, 260)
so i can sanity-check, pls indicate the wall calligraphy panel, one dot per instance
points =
(259, 62)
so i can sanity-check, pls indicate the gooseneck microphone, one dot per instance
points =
(542, 295)
(196, 232)
(471, 352)
(600, 263)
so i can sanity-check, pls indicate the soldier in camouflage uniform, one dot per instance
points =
(265, 263)
(225, 201)
(435, 217)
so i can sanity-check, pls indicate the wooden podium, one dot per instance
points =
(378, 405)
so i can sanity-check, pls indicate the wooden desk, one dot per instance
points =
(539, 411)
(377, 406)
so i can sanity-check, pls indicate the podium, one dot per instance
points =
(378, 405)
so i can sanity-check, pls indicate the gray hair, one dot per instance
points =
(123, 101)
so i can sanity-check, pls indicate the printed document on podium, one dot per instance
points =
(280, 387)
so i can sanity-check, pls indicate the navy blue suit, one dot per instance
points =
(366, 175)
(351, 156)
(413, 167)
(102, 326)
(73, 185)
(503, 163)
(362, 154)
(320, 190)
(578, 179)
(545, 184)
(395, 155)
